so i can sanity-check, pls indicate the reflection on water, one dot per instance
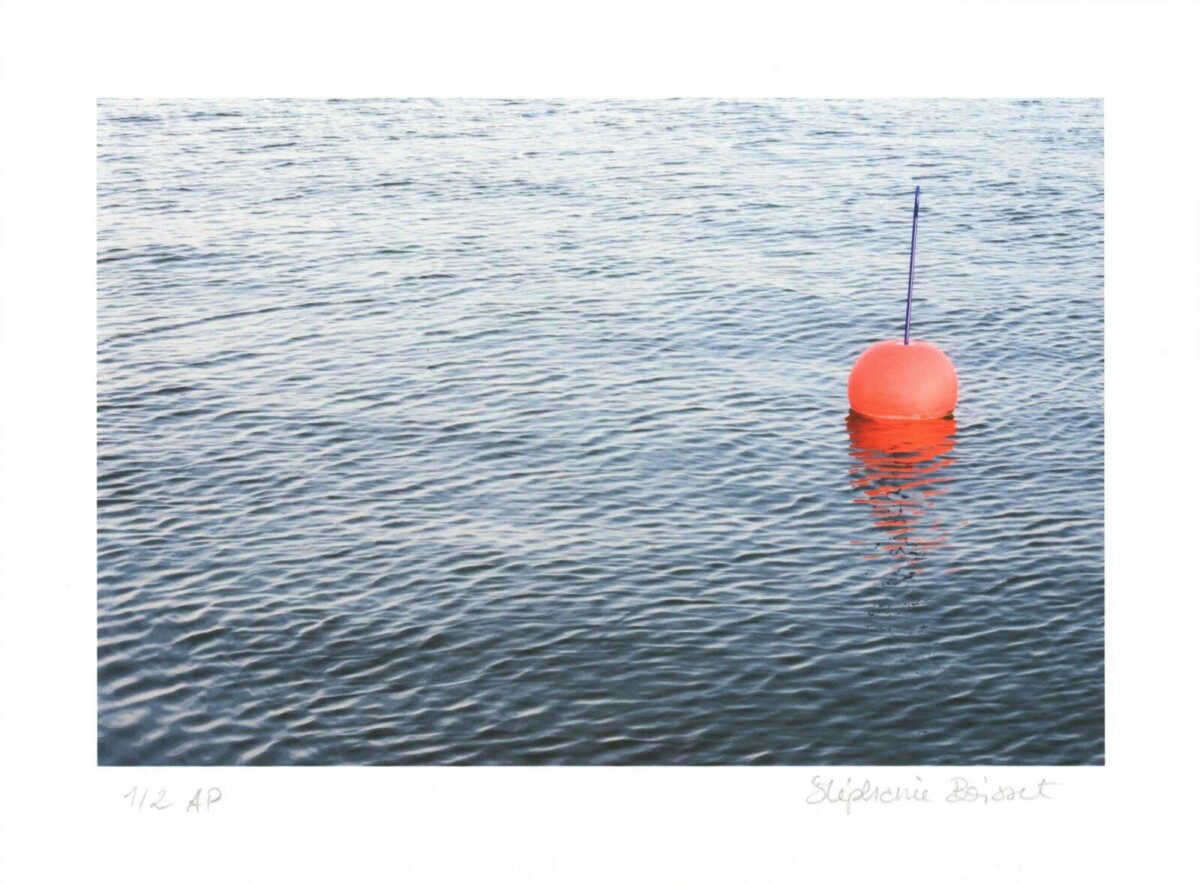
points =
(900, 472)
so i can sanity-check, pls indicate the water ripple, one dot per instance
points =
(480, 432)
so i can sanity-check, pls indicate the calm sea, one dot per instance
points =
(515, 432)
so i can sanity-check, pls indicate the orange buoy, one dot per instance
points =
(904, 380)
(897, 381)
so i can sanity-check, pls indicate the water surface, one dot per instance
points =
(515, 432)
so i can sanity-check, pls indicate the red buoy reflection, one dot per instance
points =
(900, 473)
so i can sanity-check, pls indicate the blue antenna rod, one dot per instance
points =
(912, 260)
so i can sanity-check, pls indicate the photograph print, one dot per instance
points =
(605, 432)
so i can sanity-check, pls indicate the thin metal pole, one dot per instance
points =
(912, 259)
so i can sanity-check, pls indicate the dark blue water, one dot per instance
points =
(516, 432)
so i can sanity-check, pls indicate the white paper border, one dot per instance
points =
(64, 819)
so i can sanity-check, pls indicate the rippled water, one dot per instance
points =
(516, 432)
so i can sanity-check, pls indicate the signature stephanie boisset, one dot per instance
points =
(831, 791)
